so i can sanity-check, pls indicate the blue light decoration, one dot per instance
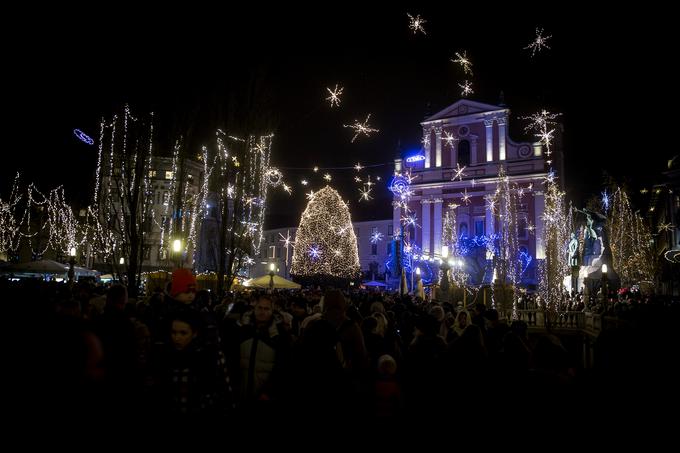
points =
(524, 261)
(315, 252)
(410, 261)
(83, 136)
(399, 185)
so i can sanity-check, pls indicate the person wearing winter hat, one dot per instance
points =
(183, 287)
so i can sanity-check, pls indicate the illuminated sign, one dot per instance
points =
(416, 158)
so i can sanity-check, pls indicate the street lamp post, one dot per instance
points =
(272, 272)
(71, 263)
(445, 272)
(177, 249)
(605, 299)
(419, 292)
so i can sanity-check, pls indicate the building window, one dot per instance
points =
(479, 227)
(166, 198)
(152, 173)
(147, 253)
(390, 230)
(463, 230)
(522, 226)
(464, 153)
(272, 252)
(168, 174)
(374, 249)
(162, 254)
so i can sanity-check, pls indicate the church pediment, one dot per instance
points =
(461, 108)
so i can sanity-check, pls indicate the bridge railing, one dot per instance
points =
(538, 318)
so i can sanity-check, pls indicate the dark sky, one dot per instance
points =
(605, 73)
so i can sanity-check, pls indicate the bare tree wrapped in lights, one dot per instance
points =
(631, 242)
(556, 233)
(557, 224)
(507, 257)
(10, 222)
(325, 246)
(454, 260)
(240, 177)
(123, 197)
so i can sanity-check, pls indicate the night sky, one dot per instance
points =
(605, 73)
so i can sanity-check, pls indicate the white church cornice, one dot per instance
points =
(466, 111)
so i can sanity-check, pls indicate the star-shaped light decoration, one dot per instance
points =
(361, 128)
(365, 193)
(466, 197)
(416, 24)
(464, 61)
(450, 139)
(466, 86)
(287, 242)
(334, 97)
(665, 227)
(315, 252)
(458, 173)
(539, 42)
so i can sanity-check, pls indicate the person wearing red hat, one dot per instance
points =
(183, 288)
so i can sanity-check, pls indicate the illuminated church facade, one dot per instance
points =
(464, 147)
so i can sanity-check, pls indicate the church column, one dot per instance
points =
(501, 136)
(426, 146)
(539, 206)
(473, 149)
(438, 146)
(425, 245)
(438, 226)
(489, 140)
(489, 222)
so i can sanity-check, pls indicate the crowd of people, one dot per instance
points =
(177, 352)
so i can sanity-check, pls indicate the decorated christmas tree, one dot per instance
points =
(325, 244)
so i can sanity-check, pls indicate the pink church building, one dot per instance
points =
(475, 136)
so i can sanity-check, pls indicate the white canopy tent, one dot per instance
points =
(37, 267)
(265, 282)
